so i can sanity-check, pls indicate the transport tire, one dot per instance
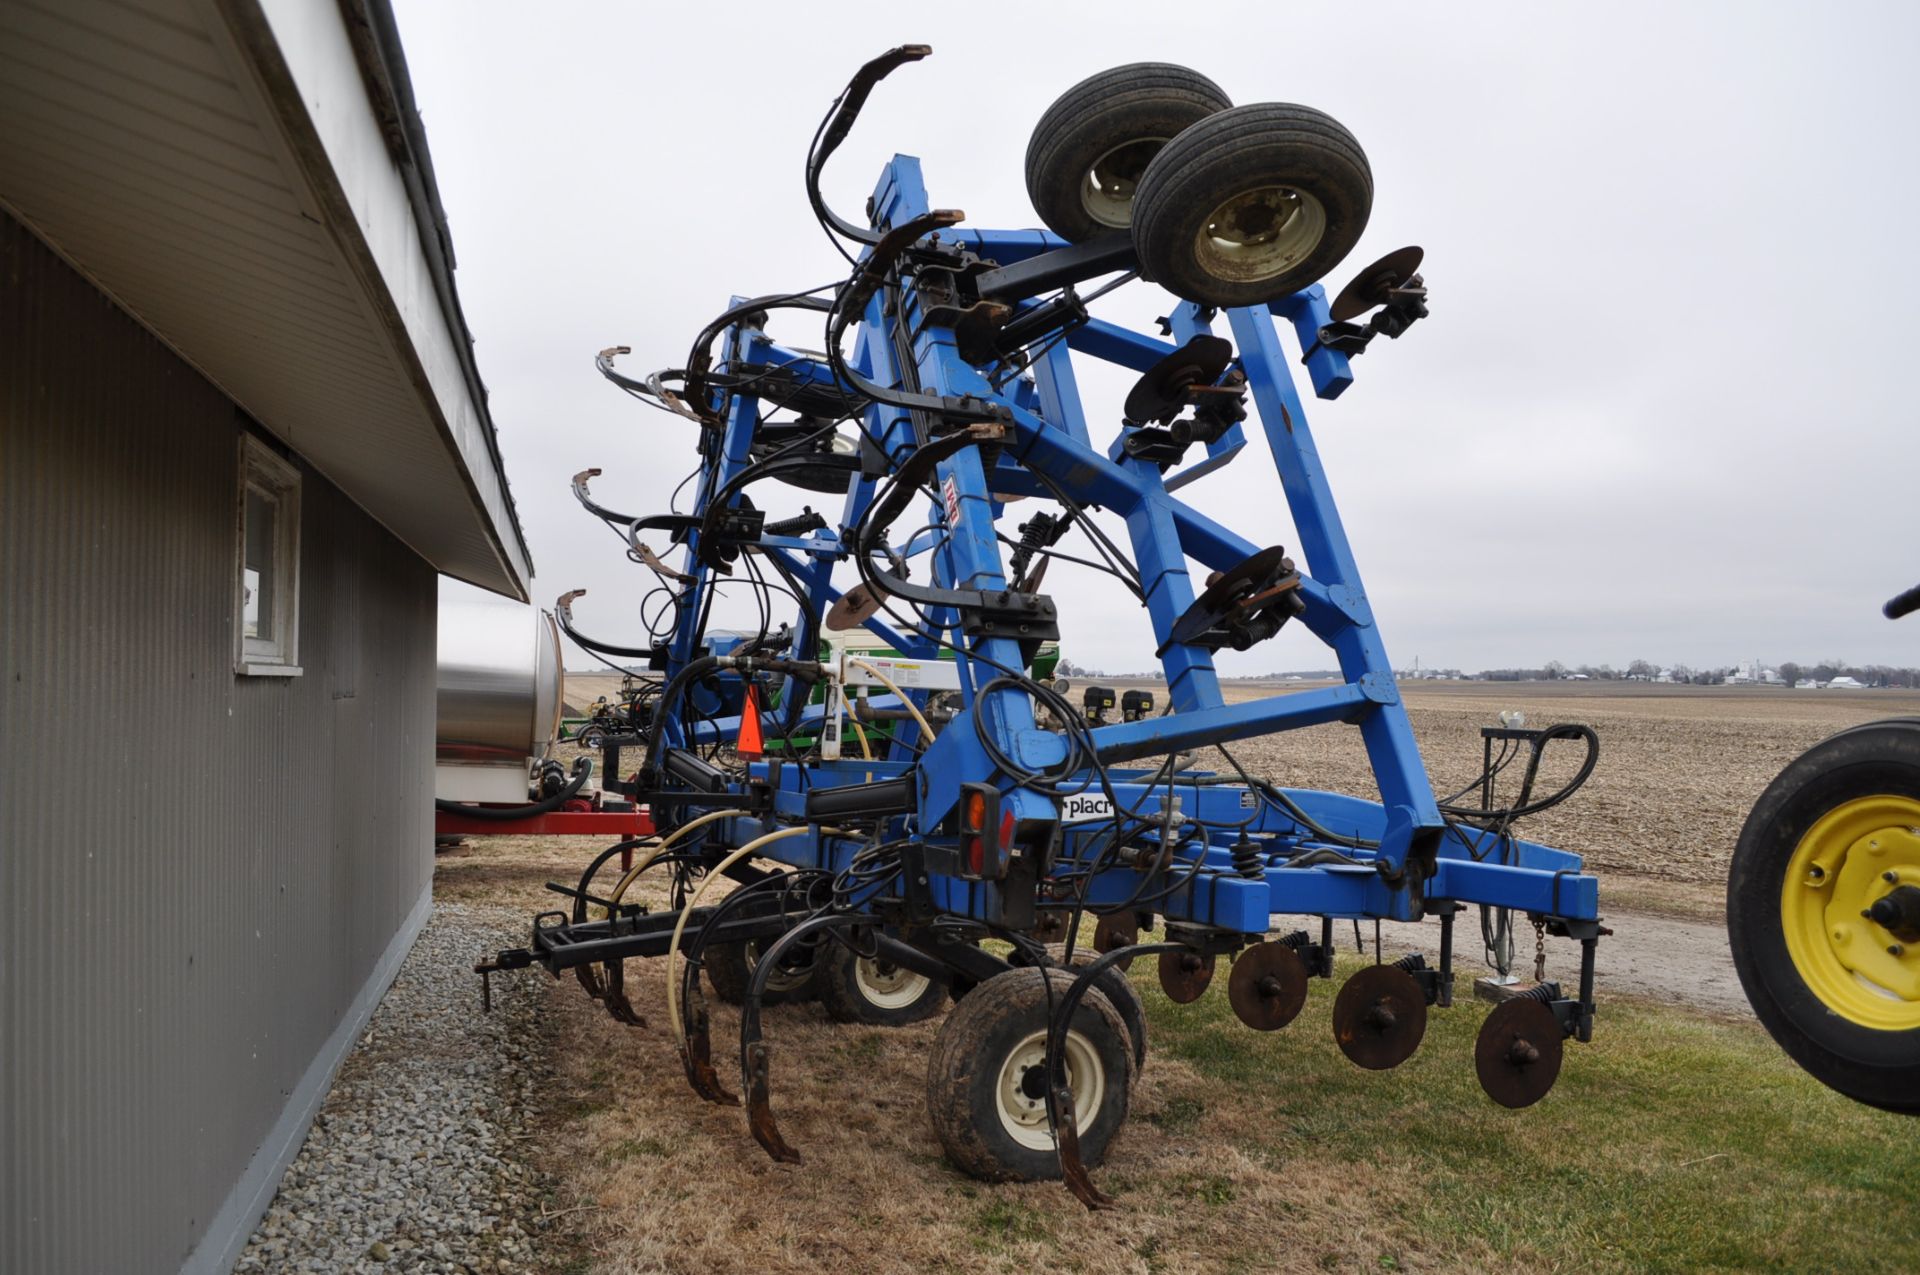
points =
(1089, 149)
(986, 1077)
(730, 968)
(865, 989)
(1822, 927)
(1251, 204)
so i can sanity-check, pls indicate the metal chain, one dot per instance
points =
(1539, 951)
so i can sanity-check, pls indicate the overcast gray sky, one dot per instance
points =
(1663, 408)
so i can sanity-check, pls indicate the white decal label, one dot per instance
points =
(1083, 806)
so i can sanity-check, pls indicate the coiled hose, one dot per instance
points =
(582, 771)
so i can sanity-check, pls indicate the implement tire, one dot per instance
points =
(1089, 149)
(1822, 933)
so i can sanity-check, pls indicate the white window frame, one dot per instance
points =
(261, 469)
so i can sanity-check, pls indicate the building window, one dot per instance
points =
(267, 592)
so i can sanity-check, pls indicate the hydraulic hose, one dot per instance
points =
(645, 861)
(582, 771)
(680, 926)
(1562, 730)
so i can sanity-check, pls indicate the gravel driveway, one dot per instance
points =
(417, 1160)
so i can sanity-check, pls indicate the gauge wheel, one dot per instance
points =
(593, 738)
(873, 990)
(987, 1084)
(1088, 151)
(1823, 912)
(730, 969)
(1251, 205)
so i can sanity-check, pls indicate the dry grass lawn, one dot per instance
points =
(1671, 1143)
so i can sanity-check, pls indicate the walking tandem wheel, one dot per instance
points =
(913, 811)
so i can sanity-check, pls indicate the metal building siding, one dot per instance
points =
(199, 871)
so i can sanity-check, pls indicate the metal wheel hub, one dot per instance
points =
(1841, 913)
(1107, 193)
(1022, 1088)
(791, 975)
(1260, 234)
(886, 985)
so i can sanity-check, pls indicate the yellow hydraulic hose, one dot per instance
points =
(680, 926)
(655, 851)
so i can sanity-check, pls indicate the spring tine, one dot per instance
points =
(616, 998)
(697, 1055)
(1073, 1170)
(760, 1119)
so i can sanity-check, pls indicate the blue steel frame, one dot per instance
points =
(1050, 433)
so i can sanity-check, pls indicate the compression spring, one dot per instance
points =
(1411, 962)
(1546, 993)
(1248, 860)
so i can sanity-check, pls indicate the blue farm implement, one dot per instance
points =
(905, 804)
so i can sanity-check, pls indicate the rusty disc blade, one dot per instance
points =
(855, 607)
(1119, 930)
(1371, 286)
(1184, 975)
(1267, 986)
(1161, 391)
(1517, 1054)
(1379, 1017)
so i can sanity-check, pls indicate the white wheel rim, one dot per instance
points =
(1260, 234)
(1106, 191)
(885, 985)
(1024, 1115)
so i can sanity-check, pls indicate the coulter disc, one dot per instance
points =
(1517, 1054)
(1379, 1017)
(1267, 986)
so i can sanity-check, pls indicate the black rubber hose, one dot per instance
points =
(1902, 604)
(668, 694)
(1562, 730)
(582, 771)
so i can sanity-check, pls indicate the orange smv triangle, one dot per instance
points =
(750, 743)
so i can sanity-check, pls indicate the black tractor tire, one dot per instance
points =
(729, 968)
(859, 989)
(1879, 1066)
(987, 1056)
(1303, 190)
(1118, 119)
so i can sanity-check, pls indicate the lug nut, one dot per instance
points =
(1894, 949)
(1890, 877)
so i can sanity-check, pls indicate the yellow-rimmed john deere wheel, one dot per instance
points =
(1843, 915)
(1823, 911)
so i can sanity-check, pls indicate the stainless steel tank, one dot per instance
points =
(500, 684)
